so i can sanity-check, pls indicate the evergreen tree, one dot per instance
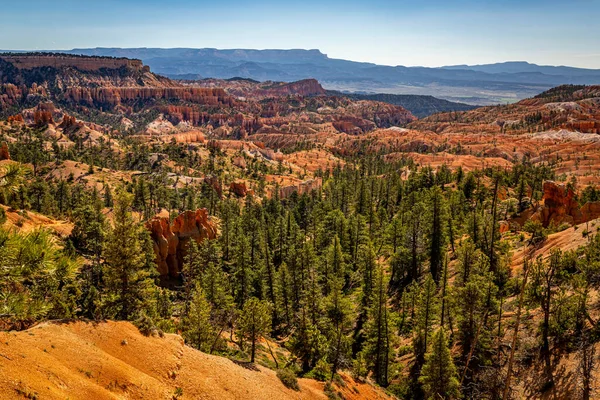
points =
(196, 326)
(339, 314)
(379, 349)
(414, 236)
(127, 277)
(37, 279)
(254, 323)
(438, 375)
(436, 234)
(426, 315)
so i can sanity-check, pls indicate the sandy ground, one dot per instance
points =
(112, 360)
(569, 239)
(26, 221)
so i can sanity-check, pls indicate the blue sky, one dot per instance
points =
(429, 32)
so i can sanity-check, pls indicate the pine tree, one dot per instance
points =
(191, 271)
(368, 269)
(308, 342)
(415, 239)
(436, 234)
(89, 227)
(243, 274)
(378, 331)
(37, 279)
(339, 314)
(438, 375)
(544, 276)
(426, 315)
(334, 265)
(196, 326)
(254, 323)
(108, 198)
(126, 273)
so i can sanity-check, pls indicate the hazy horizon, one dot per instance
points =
(432, 33)
(288, 49)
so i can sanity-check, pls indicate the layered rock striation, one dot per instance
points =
(31, 61)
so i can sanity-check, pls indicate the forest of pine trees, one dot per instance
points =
(402, 281)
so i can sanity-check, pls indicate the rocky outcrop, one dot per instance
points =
(584, 126)
(353, 125)
(305, 87)
(301, 188)
(215, 183)
(31, 61)
(503, 226)
(590, 211)
(271, 154)
(4, 153)
(560, 206)
(11, 94)
(183, 137)
(171, 238)
(238, 188)
(116, 96)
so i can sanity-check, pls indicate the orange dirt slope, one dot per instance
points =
(570, 239)
(112, 360)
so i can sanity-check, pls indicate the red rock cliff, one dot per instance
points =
(115, 96)
(30, 61)
(560, 206)
(171, 239)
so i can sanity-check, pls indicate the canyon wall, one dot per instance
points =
(26, 61)
(114, 96)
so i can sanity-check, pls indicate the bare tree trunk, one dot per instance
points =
(272, 355)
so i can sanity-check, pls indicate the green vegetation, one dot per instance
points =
(288, 378)
(402, 278)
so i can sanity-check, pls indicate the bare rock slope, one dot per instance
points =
(112, 360)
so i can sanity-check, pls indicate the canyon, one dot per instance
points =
(285, 184)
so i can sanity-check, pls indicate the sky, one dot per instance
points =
(389, 32)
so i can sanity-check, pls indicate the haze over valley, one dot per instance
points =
(502, 83)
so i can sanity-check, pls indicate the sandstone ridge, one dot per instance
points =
(31, 61)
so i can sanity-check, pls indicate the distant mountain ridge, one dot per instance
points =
(480, 84)
(513, 67)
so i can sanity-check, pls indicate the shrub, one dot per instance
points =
(401, 389)
(338, 380)
(330, 392)
(178, 393)
(145, 325)
(288, 378)
(359, 367)
(537, 231)
(321, 371)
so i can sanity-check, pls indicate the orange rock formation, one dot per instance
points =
(560, 206)
(171, 239)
